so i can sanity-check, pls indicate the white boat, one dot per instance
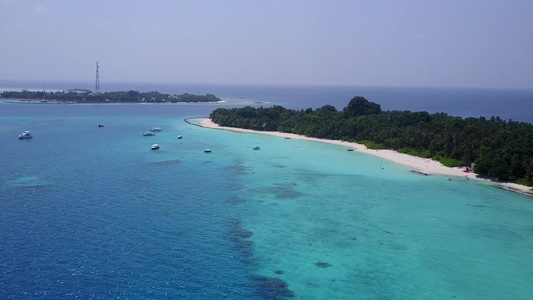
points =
(148, 133)
(156, 129)
(25, 135)
(155, 146)
(179, 136)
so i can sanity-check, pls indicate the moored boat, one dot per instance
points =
(179, 136)
(148, 133)
(155, 146)
(26, 135)
(207, 150)
(156, 129)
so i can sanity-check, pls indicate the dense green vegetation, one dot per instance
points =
(500, 149)
(84, 96)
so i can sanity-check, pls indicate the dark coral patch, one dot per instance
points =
(236, 230)
(272, 288)
(238, 168)
(239, 236)
(322, 264)
(279, 272)
(284, 191)
(246, 249)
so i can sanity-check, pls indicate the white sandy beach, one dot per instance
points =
(418, 164)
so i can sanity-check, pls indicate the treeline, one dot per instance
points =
(84, 96)
(500, 149)
(195, 98)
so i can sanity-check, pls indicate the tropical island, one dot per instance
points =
(86, 96)
(496, 148)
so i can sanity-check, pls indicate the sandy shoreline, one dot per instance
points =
(418, 164)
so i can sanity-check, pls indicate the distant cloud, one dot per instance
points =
(417, 35)
(7, 2)
(39, 9)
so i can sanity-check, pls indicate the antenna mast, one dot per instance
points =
(97, 81)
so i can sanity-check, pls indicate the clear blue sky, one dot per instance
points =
(467, 43)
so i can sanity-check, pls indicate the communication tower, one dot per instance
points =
(97, 81)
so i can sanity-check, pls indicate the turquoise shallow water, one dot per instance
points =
(386, 233)
(92, 212)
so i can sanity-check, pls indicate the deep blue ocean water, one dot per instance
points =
(93, 213)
